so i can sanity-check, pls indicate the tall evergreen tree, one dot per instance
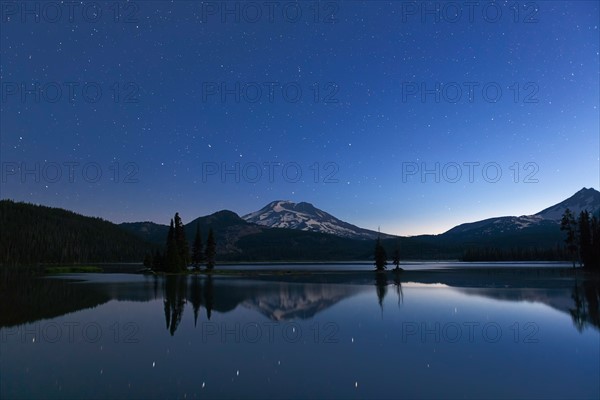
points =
(172, 260)
(585, 239)
(595, 232)
(171, 234)
(396, 260)
(211, 250)
(380, 255)
(157, 262)
(197, 255)
(568, 225)
(181, 242)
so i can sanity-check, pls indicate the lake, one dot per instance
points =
(504, 332)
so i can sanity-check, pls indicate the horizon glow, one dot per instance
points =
(398, 115)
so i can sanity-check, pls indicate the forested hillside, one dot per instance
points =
(31, 234)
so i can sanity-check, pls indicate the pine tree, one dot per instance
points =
(585, 239)
(396, 260)
(568, 225)
(157, 262)
(380, 255)
(595, 232)
(211, 250)
(181, 243)
(197, 255)
(171, 234)
(172, 260)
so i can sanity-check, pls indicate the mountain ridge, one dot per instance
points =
(535, 237)
(33, 234)
(306, 217)
(585, 198)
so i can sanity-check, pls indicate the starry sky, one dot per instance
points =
(409, 116)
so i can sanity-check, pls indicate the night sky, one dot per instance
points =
(131, 111)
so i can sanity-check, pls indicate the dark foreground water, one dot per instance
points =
(514, 333)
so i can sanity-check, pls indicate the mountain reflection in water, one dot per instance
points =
(27, 299)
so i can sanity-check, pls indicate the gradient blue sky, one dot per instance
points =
(367, 126)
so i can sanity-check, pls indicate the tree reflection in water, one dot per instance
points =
(586, 299)
(381, 285)
(26, 298)
(174, 300)
(398, 285)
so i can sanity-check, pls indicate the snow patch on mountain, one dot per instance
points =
(585, 199)
(306, 217)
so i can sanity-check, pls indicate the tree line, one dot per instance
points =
(32, 234)
(531, 253)
(581, 245)
(177, 255)
(582, 239)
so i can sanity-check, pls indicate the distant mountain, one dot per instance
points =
(228, 228)
(239, 240)
(585, 199)
(537, 232)
(149, 231)
(306, 217)
(284, 231)
(501, 225)
(281, 231)
(225, 224)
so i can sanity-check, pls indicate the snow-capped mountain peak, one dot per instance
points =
(306, 217)
(585, 199)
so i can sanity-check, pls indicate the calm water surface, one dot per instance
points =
(517, 333)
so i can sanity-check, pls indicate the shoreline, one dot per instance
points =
(498, 278)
